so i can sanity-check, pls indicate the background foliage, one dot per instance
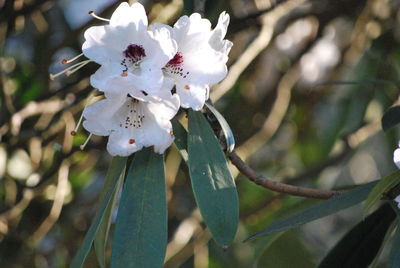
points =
(308, 84)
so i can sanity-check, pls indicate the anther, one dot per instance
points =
(132, 141)
(82, 147)
(124, 74)
(73, 132)
(70, 70)
(186, 87)
(91, 13)
(65, 61)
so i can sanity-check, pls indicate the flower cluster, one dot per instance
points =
(148, 72)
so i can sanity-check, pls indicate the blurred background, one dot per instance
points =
(307, 86)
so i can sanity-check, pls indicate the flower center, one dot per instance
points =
(135, 52)
(135, 115)
(176, 61)
(133, 55)
(175, 66)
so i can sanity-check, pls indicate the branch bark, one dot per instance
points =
(279, 187)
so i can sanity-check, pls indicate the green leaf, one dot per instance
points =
(395, 252)
(100, 240)
(391, 118)
(359, 247)
(226, 129)
(212, 182)
(322, 209)
(180, 138)
(263, 245)
(116, 168)
(383, 186)
(140, 237)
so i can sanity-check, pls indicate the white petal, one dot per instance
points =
(219, 32)
(162, 48)
(149, 78)
(191, 25)
(101, 78)
(165, 109)
(192, 96)
(95, 128)
(217, 41)
(99, 116)
(119, 145)
(397, 200)
(125, 15)
(157, 134)
(139, 84)
(396, 157)
(204, 52)
(103, 45)
(206, 66)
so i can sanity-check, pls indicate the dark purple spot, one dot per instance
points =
(176, 61)
(135, 52)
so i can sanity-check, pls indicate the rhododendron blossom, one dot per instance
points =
(127, 51)
(140, 67)
(133, 123)
(201, 57)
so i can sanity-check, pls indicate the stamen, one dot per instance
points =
(88, 100)
(65, 61)
(82, 147)
(91, 13)
(73, 132)
(70, 70)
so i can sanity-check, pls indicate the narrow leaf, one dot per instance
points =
(395, 252)
(180, 138)
(213, 186)
(322, 209)
(359, 247)
(382, 187)
(140, 237)
(100, 240)
(226, 129)
(391, 118)
(116, 168)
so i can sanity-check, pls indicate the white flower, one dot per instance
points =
(396, 160)
(397, 200)
(396, 156)
(128, 52)
(201, 57)
(133, 123)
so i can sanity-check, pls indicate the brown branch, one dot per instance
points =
(279, 187)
